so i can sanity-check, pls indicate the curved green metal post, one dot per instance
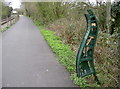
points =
(85, 59)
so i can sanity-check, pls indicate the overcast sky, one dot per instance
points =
(17, 3)
(14, 3)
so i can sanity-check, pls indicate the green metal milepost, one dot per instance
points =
(85, 58)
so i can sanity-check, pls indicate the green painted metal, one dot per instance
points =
(85, 59)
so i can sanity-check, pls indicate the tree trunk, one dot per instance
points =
(97, 10)
(108, 15)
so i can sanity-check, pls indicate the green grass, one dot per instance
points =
(4, 29)
(65, 54)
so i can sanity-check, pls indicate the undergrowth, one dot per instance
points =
(106, 53)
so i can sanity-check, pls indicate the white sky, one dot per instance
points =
(17, 3)
(14, 3)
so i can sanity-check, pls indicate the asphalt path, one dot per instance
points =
(28, 61)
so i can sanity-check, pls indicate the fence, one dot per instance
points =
(8, 21)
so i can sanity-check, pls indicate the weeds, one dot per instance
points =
(4, 29)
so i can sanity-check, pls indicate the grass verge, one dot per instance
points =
(4, 29)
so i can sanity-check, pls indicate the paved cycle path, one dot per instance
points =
(27, 60)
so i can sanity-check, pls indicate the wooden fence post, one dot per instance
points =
(0, 25)
(7, 22)
(10, 21)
